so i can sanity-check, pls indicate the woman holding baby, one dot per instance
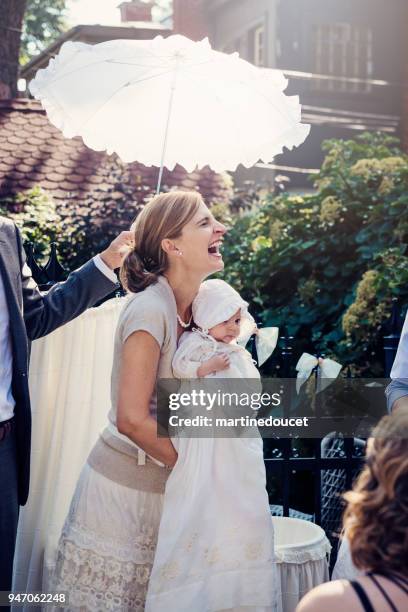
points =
(107, 547)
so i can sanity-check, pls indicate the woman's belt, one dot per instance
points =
(110, 457)
(128, 445)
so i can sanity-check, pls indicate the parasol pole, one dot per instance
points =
(164, 149)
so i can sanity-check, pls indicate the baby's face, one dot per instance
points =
(228, 330)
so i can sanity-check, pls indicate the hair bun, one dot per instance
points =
(134, 274)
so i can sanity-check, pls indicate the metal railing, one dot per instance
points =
(49, 274)
(324, 472)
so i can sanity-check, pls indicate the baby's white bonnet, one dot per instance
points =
(216, 302)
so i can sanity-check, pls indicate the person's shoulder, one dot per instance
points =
(187, 344)
(9, 234)
(335, 596)
(186, 338)
(145, 308)
(150, 298)
(144, 311)
(7, 225)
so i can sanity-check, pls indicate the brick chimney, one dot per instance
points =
(190, 18)
(136, 10)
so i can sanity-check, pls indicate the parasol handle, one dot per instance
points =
(164, 149)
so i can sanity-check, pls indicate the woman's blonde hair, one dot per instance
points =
(376, 517)
(164, 216)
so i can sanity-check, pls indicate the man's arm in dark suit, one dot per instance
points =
(64, 301)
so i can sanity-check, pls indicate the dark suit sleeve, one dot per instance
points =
(44, 312)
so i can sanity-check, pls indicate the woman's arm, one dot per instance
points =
(137, 378)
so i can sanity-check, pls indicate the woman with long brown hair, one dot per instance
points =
(107, 546)
(376, 525)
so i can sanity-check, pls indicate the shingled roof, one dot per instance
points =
(33, 152)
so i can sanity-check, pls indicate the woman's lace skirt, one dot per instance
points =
(106, 549)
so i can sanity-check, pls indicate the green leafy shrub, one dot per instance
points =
(35, 214)
(325, 266)
(85, 227)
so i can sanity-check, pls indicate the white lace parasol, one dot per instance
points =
(169, 101)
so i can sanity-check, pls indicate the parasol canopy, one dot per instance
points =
(169, 101)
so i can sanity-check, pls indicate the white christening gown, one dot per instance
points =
(215, 548)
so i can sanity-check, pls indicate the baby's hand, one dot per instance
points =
(221, 362)
(215, 364)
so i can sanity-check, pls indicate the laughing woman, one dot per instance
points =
(107, 546)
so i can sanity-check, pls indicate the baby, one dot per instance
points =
(215, 545)
(211, 349)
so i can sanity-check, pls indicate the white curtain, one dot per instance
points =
(70, 390)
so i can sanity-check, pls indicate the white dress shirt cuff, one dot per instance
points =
(102, 267)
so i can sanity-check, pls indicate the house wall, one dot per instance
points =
(296, 21)
(190, 18)
(296, 43)
(232, 21)
(289, 44)
(289, 36)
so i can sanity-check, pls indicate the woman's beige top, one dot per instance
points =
(153, 310)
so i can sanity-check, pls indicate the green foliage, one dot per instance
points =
(326, 266)
(34, 212)
(323, 267)
(44, 21)
(83, 227)
(93, 223)
(222, 213)
(80, 229)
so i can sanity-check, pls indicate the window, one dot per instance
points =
(240, 45)
(256, 45)
(258, 42)
(343, 50)
(250, 45)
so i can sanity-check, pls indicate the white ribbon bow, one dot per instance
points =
(328, 370)
(265, 340)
